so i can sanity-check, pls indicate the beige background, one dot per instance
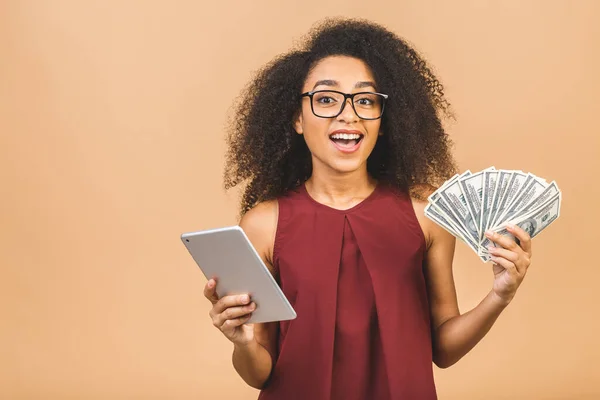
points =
(111, 146)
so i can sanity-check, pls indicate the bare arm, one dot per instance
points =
(254, 360)
(454, 335)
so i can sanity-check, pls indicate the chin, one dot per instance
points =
(347, 166)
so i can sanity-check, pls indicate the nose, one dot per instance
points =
(348, 115)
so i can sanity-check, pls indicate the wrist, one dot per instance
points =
(245, 346)
(499, 301)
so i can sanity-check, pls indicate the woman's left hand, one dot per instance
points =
(511, 261)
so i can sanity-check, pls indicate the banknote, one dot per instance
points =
(457, 202)
(550, 191)
(434, 214)
(444, 209)
(527, 195)
(534, 221)
(472, 188)
(517, 181)
(448, 182)
(504, 177)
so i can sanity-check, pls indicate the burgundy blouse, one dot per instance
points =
(355, 278)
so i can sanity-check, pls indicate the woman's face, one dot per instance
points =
(341, 144)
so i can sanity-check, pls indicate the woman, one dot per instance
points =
(340, 142)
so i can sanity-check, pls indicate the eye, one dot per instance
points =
(367, 100)
(325, 100)
(364, 101)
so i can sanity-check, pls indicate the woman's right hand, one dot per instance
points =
(230, 313)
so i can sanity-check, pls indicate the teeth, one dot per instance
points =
(347, 136)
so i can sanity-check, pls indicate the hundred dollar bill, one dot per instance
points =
(489, 185)
(442, 208)
(516, 182)
(527, 195)
(432, 212)
(497, 187)
(457, 203)
(550, 191)
(472, 188)
(433, 198)
(436, 193)
(502, 181)
(533, 222)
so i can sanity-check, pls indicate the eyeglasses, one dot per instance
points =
(331, 103)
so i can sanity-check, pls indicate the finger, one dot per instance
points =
(231, 301)
(508, 265)
(522, 235)
(234, 313)
(504, 253)
(519, 259)
(210, 291)
(234, 323)
(504, 241)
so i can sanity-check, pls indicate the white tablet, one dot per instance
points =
(227, 255)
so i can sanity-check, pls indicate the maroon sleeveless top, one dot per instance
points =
(355, 278)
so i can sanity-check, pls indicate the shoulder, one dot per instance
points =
(260, 224)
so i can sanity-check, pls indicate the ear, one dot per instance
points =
(298, 123)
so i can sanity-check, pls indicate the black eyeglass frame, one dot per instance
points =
(346, 97)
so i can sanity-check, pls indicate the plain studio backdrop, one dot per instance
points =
(112, 119)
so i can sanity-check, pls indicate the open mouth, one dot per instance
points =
(346, 140)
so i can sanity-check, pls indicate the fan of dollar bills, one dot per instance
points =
(469, 204)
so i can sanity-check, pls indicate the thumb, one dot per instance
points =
(210, 291)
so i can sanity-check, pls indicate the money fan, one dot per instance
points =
(469, 204)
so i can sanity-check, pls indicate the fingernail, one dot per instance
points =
(210, 283)
(488, 233)
(244, 298)
(510, 226)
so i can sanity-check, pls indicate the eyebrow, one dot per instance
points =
(331, 82)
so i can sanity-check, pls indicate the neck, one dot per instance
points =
(340, 190)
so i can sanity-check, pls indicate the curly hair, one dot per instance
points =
(265, 151)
